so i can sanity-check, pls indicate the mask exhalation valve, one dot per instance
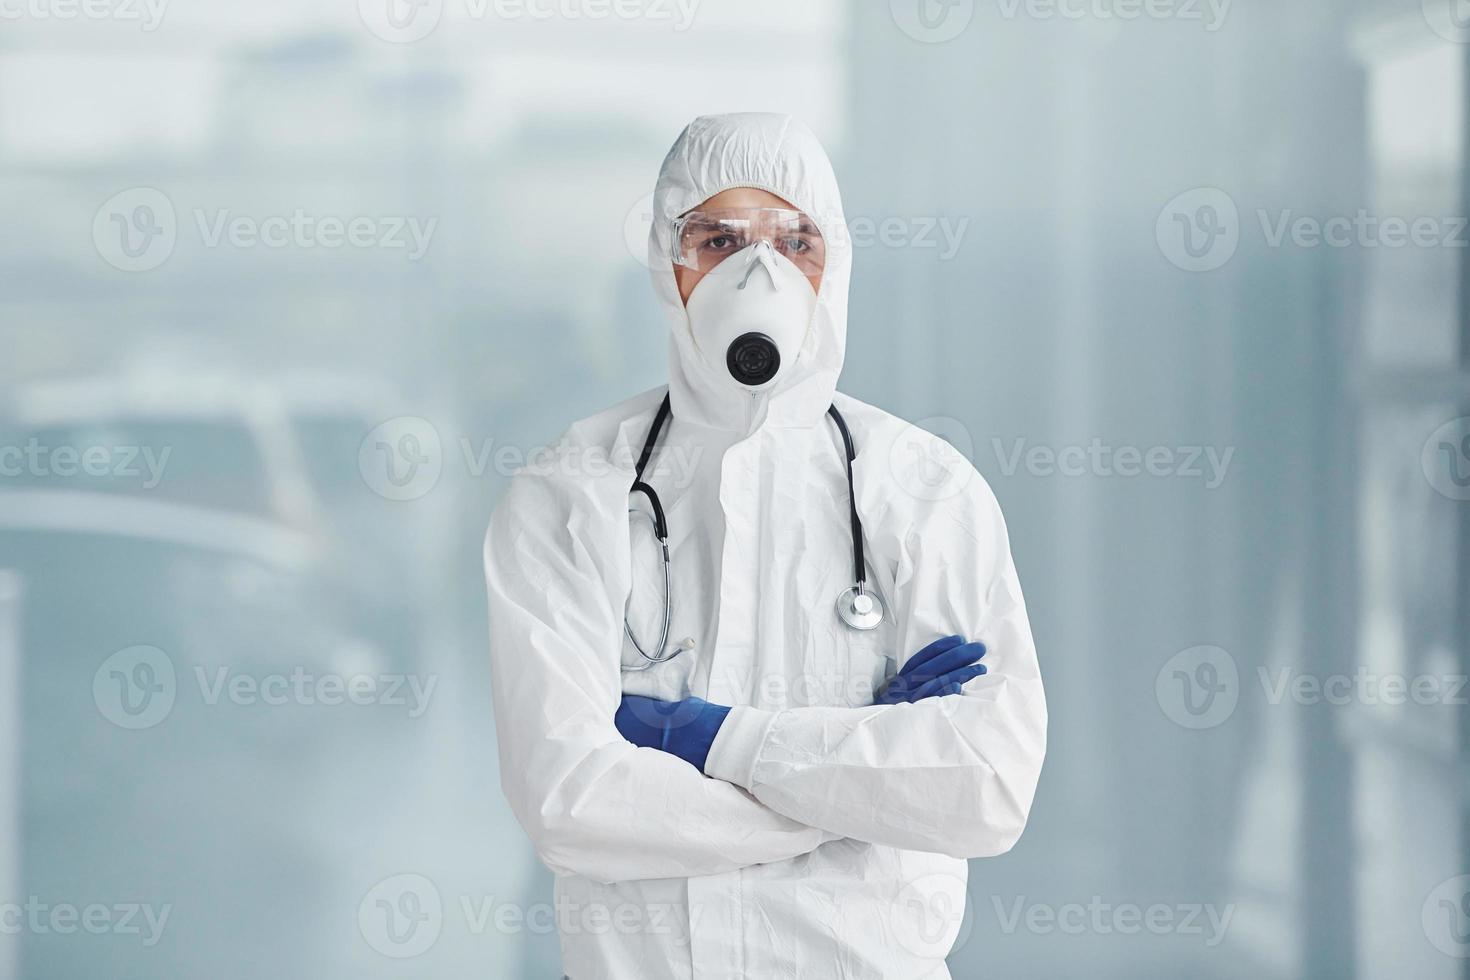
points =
(753, 359)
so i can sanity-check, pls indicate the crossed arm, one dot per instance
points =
(953, 775)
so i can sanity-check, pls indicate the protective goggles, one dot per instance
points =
(704, 239)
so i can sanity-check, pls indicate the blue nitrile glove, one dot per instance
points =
(940, 668)
(684, 728)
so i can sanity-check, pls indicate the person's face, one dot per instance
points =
(735, 197)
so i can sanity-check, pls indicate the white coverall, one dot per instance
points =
(829, 836)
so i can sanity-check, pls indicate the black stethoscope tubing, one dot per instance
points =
(661, 528)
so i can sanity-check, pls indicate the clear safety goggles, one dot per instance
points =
(704, 239)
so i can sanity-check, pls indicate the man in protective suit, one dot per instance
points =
(786, 779)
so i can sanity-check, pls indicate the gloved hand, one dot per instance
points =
(684, 728)
(940, 668)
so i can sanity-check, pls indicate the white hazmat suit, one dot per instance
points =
(828, 836)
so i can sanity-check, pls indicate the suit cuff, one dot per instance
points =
(736, 748)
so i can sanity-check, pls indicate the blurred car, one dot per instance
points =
(210, 520)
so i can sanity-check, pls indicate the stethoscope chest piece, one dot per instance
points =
(860, 609)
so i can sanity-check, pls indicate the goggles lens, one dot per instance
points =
(704, 239)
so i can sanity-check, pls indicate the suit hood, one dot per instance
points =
(774, 153)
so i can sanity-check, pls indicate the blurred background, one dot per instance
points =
(287, 290)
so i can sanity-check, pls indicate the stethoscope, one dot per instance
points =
(858, 608)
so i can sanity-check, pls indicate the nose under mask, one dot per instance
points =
(749, 316)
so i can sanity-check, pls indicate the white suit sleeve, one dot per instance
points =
(592, 803)
(954, 774)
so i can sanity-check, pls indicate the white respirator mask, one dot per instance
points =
(749, 316)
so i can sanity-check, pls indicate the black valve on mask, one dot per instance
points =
(753, 359)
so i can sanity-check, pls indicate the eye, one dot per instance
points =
(796, 246)
(720, 242)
